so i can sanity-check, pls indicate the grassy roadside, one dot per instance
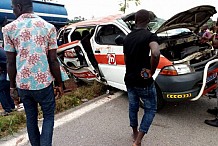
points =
(17, 120)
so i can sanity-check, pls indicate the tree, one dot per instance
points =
(210, 23)
(125, 4)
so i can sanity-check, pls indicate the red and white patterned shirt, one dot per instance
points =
(31, 37)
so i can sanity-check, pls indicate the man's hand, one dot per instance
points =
(147, 72)
(14, 94)
(59, 92)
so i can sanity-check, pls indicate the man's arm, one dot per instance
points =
(55, 71)
(53, 61)
(54, 66)
(155, 56)
(11, 68)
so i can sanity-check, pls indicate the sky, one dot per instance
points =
(162, 8)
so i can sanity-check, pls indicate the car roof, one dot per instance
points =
(95, 21)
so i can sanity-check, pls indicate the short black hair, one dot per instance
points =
(142, 16)
(24, 3)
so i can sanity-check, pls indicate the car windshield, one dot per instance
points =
(155, 24)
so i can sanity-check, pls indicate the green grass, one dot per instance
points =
(74, 98)
(17, 120)
(12, 123)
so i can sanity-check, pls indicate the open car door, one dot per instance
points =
(75, 60)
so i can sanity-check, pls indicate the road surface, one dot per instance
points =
(104, 122)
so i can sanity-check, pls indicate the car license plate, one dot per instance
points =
(210, 78)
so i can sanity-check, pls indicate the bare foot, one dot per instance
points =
(134, 136)
(134, 144)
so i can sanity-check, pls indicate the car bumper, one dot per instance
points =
(188, 86)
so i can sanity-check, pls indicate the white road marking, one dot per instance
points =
(23, 139)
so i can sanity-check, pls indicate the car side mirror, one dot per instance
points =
(119, 40)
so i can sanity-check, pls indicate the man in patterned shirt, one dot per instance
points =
(30, 45)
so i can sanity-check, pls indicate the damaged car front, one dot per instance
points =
(193, 72)
(191, 68)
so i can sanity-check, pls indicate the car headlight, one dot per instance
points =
(177, 69)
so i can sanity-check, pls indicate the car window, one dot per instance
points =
(65, 35)
(76, 35)
(61, 40)
(107, 33)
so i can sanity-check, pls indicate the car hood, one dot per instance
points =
(192, 19)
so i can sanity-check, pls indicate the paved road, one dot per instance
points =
(107, 125)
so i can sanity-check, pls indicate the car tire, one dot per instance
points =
(160, 100)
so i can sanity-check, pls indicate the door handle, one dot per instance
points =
(97, 51)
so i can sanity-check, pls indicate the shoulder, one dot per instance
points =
(51, 28)
(42, 24)
(144, 33)
(154, 38)
(10, 27)
(39, 22)
(47, 24)
(132, 33)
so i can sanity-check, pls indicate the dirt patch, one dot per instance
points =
(70, 85)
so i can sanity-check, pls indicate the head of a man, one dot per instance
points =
(21, 6)
(142, 18)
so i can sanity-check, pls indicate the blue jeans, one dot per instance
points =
(6, 101)
(46, 99)
(149, 97)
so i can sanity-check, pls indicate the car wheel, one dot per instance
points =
(160, 100)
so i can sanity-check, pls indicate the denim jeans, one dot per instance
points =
(149, 97)
(46, 99)
(6, 101)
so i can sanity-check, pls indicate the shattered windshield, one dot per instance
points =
(152, 26)
(155, 24)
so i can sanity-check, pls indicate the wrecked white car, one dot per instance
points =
(187, 68)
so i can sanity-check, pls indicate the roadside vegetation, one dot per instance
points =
(16, 121)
